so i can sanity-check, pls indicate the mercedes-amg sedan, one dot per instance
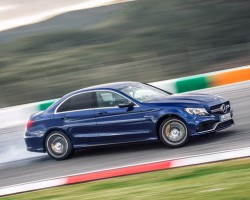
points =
(124, 112)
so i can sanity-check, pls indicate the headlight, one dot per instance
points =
(196, 111)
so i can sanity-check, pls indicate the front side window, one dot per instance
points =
(142, 92)
(109, 99)
(77, 102)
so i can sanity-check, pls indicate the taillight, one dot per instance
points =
(29, 124)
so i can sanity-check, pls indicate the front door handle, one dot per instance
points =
(63, 118)
(102, 112)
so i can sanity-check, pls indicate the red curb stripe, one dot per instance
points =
(119, 172)
(109, 173)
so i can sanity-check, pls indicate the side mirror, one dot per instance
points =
(126, 105)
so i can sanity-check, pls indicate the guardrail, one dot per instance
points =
(17, 115)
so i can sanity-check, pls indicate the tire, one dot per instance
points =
(173, 132)
(58, 145)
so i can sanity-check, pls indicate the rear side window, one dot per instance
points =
(77, 102)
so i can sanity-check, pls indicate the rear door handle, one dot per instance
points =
(63, 118)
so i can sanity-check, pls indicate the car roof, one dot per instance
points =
(111, 86)
(114, 85)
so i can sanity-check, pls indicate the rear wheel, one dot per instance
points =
(173, 132)
(58, 145)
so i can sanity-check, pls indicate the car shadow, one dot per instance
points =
(153, 145)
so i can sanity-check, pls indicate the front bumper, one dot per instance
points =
(208, 124)
(215, 126)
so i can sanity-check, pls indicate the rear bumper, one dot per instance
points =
(34, 144)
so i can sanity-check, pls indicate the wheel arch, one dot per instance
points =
(164, 117)
(55, 129)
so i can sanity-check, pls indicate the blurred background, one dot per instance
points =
(142, 40)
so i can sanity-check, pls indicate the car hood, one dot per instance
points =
(190, 98)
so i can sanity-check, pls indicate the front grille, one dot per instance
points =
(225, 124)
(210, 126)
(204, 126)
(218, 109)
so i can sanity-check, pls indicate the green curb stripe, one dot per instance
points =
(192, 83)
(44, 105)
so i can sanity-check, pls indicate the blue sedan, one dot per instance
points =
(124, 112)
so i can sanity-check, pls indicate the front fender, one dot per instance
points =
(158, 116)
(189, 120)
(178, 112)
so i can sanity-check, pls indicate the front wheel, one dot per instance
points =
(58, 145)
(173, 132)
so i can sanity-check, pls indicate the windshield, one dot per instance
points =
(142, 92)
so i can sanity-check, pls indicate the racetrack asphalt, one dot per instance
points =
(19, 166)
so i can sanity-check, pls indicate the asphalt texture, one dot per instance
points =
(19, 166)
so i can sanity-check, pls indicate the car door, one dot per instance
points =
(117, 124)
(77, 116)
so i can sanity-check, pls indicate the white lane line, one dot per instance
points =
(246, 151)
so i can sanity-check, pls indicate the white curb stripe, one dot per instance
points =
(168, 85)
(214, 157)
(31, 186)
